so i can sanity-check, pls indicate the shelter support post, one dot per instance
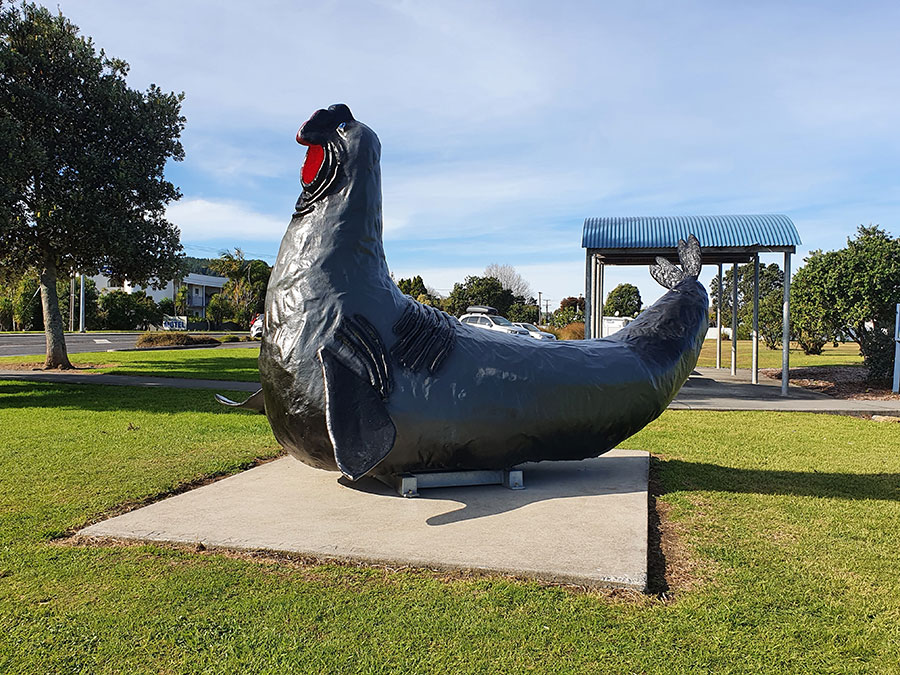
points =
(734, 317)
(786, 326)
(754, 368)
(896, 386)
(719, 322)
(588, 296)
(600, 300)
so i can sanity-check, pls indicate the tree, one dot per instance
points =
(771, 294)
(509, 279)
(414, 287)
(523, 312)
(167, 306)
(623, 300)
(853, 291)
(81, 181)
(246, 285)
(479, 291)
(218, 308)
(573, 303)
(128, 311)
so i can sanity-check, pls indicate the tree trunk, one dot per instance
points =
(53, 324)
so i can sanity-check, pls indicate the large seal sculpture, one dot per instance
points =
(358, 377)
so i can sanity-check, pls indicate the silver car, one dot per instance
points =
(534, 331)
(491, 321)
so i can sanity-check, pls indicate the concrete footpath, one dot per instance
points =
(718, 389)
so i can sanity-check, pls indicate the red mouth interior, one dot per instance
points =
(315, 155)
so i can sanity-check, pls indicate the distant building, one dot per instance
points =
(200, 288)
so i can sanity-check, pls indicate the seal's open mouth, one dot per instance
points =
(315, 156)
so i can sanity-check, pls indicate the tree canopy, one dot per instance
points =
(82, 184)
(852, 291)
(771, 294)
(246, 287)
(480, 291)
(623, 300)
(509, 279)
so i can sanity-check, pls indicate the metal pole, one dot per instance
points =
(588, 283)
(786, 326)
(754, 372)
(734, 319)
(539, 307)
(719, 322)
(897, 352)
(600, 298)
(81, 307)
(71, 302)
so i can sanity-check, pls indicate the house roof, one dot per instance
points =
(736, 238)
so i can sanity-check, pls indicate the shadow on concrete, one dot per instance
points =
(678, 476)
(543, 481)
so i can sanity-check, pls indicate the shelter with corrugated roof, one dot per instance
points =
(636, 240)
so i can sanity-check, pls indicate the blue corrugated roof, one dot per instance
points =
(712, 231)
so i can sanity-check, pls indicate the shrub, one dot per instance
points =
(230, 338)
(572, 331)
(173, 339)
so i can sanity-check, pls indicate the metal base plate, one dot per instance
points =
(409, 484)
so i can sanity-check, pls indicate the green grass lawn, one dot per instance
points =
(219, 363)
(845, 354)
(789, 522)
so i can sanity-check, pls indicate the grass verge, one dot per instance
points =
(845, 354)
(788, 520)
(208, 364)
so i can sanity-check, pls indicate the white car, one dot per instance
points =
(486, 317)
(534, 331)
(256, 327)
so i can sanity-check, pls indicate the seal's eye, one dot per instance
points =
(342, 126)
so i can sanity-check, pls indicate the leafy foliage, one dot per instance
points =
(526, 313)
(246, 287)
(623, 300)
(771, 294)
(851, 291)
(573, 303)
(81, 182)
(563, 317)
(218, 308)
(128, 311)
(414, 287)
(479, 291)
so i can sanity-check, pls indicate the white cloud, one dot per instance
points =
(209, 220)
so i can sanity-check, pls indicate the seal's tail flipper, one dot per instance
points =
(255, 402)
(669, 275)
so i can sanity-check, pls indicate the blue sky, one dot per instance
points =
(504, 124)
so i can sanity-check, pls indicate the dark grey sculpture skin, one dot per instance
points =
(358, 377)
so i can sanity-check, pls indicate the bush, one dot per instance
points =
(173, 339)
(572, 331)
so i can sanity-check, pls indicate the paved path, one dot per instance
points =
(717, 389)
(26, 344)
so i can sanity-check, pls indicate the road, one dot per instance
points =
(23, 344)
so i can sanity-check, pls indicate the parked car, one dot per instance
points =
(534, 331)
(485, 317)
(257, 326)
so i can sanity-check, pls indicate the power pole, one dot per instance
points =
(81, 307)
(539, 307)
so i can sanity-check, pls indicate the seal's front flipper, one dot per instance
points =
(359, 426)
(255, 402)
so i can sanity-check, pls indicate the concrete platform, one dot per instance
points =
(575, 522)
